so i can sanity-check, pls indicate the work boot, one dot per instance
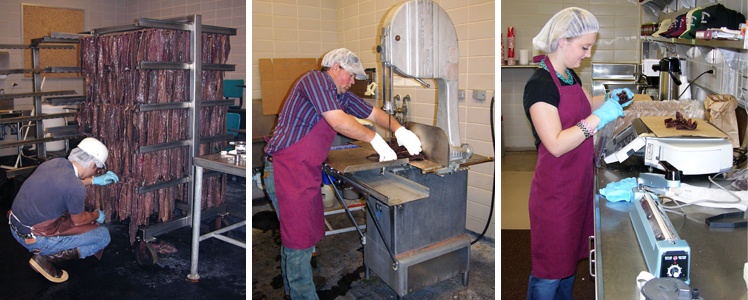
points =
(44, 264)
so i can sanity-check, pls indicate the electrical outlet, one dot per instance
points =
(714, 71)
(479, 95)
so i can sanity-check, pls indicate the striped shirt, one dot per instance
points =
(313, 94)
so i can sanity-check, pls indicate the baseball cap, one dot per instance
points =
(718, 16)
(664, 26)
(693, 20)
(347, 60)
(673, 27)
(681, 27)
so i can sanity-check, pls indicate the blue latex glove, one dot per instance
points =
(614, 95)
(107, 178)
(101, 217)
(619, 191)
(610, 111)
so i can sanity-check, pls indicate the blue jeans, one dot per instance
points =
(557, 289)
(87, 243)
(296, 266)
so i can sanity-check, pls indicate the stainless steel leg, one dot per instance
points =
(196, 210)
(367, 272)
(465, 278)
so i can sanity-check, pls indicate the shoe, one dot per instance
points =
(319, 281)
(44, 264)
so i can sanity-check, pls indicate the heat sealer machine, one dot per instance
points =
(665, 253)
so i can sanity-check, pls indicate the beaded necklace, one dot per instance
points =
(568, 81)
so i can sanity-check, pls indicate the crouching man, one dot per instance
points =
(48, 216)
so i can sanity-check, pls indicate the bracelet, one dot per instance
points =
(584, 130)
(589, 128)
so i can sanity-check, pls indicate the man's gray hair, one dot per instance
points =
(84, 159)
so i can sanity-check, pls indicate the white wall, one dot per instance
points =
(311, 28)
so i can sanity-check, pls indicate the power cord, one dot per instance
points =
(689, 84)
(493, 188)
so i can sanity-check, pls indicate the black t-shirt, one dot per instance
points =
(541, 88)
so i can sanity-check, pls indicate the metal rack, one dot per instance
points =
(57, 133)
(193, 24)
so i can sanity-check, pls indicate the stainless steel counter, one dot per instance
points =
(717, 256)
(221, 163)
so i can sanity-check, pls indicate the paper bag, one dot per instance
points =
(720, 111)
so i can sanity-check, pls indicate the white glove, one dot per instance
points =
(385, 152)
(408, 139)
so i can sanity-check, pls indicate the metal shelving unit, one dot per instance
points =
(56, 133)
(193, 24)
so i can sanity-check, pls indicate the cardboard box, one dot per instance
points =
(277, 76)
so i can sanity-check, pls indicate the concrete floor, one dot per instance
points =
(340, 261)
(117, 275)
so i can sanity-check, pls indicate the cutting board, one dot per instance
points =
(703, 129)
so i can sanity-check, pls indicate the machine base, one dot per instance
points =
(420, 268)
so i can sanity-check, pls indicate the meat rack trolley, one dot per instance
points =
(146, 253)
(234, 165)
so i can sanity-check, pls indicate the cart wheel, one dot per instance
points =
(145, 254)
(218, 223)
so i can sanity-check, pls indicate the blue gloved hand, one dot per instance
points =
(101, 217)
(107, 178)
(614, 95)
(610, 111)
(619, 191)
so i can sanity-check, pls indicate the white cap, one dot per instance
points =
(94, 148)
(347, 60)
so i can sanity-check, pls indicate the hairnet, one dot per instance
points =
(347, 60)
(84, 159)
(567, 23)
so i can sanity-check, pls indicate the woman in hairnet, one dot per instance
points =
(564, 116)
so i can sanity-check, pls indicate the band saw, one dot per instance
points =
(418, 208)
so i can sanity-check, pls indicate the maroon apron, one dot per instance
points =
(561, 195)
(297, 173)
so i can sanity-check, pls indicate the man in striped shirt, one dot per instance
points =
(318, 106)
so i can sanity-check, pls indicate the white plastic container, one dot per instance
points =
(328, 196)
(50, 123)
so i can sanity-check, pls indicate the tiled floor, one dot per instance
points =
(517, 169)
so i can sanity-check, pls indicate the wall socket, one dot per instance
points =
(714, 70)
(479, 95)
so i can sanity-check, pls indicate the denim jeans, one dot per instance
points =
(87, 243)
(296, 266)
(543, 289)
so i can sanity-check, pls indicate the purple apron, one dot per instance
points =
(297, 171)
(561, 195)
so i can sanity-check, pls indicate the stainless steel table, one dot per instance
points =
(222, 163)
(717, 256)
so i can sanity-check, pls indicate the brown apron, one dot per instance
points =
(61, 226)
